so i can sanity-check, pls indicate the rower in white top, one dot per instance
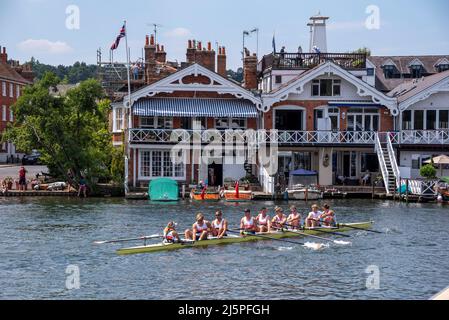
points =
(313, 219)
(219, 225)
(294, 219)
(247, 223)
(263, 222)
(280, 219)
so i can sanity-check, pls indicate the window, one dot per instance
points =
(17, 91)
(416, 161)
(431, 119)
(3, 113)
(11, 115)
(11, 90)
(159, 164)
(419, 120)
(389, 71)
(156, 122)
(4, 89)
(443, 119)
(278, 79)
(370, 72)
(326, 87)
(443, 67)
(416, 71)
(118, 121)
(407, 120)
(369, 162)
(230, 123)
(363, 119)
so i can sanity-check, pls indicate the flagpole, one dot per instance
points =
(127, 155)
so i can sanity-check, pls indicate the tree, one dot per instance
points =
(364, 50)
(71, 131)
(428, 171)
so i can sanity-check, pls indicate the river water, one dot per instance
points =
(41, 237)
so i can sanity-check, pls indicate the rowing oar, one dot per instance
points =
(155, 236)
(267, 237)
(324, 230)
(352, 227)
(313, 236)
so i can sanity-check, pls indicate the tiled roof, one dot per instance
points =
(402, 63)
(8, 73)
(413, 87)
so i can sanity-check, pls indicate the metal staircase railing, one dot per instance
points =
(383, 165)
(393, 161)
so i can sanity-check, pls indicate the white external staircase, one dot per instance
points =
(387, 161)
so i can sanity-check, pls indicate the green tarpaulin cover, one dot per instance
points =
(163, 189)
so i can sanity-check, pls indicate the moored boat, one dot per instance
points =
(239, 239)
(234, 196)
(163, 189)
(304, 193)
(204, 196)
(301, 185)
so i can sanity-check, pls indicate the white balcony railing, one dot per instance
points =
(287, 137)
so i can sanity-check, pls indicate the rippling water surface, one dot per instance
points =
(40, 237)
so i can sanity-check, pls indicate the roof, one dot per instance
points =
(8, 73)
(402, 63)
(194, 107)
(413, 87)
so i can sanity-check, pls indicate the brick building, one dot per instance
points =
(13, 78)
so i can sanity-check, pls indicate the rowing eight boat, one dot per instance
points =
(238, 239)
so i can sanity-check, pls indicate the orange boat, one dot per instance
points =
(236, 196)
(204, 196)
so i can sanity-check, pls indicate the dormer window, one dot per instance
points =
(389, 71)
(416, 71)
(443, 67)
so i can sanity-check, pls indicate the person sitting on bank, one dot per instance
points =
(83, 187)
(170, 233)
(366, 178)
(328, 216)
(313, 219)
(219, 225)
(294, 219)
(263, 222)
(200, 229)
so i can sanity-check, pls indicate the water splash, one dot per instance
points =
(284, 248)
(343, 243)
(316, 246)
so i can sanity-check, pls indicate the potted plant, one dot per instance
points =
(428, 171)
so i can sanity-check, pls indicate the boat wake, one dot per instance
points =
(342, 243)
(285, 248)
(316, 246)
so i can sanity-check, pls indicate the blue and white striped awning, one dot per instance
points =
(191, 107)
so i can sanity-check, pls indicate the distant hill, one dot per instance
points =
(81, 71)
(73, 74)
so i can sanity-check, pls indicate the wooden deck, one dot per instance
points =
(40, 193)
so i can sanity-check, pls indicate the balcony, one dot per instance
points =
(368, 138)
(311, 60)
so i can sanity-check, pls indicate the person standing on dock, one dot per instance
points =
(82, 188)
(219, 225)
(22, 179)
(294, 219)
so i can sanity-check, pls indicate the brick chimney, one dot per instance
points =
(250, 71)
(161, 55)
(221, 62)
(150, 59)
(198, 54)
(3, 55)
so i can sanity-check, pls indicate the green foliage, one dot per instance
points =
(364, 50)
(118, 165)
(428, 171)
(71, 131)
(236, 75)
(80, 71)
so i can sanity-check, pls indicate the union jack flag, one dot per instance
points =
(117, 40)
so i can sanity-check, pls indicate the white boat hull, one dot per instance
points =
(301, 195)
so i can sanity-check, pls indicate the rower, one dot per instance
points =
(170, 234)
(263, 222)
(328, 216)
(294, 219)
(200, 229)
(247, 223)
(280, 219)
(313, 219)
(219, 225)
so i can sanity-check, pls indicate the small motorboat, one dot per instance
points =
(302, 185)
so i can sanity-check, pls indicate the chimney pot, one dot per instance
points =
(162, 48)
(4, 50)
(147, 40)
(189, 46)
(152, 40)
(158, 47)
(223, 51)
(209, 46)
(200, 46)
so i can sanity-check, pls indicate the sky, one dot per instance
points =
(48, 29)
